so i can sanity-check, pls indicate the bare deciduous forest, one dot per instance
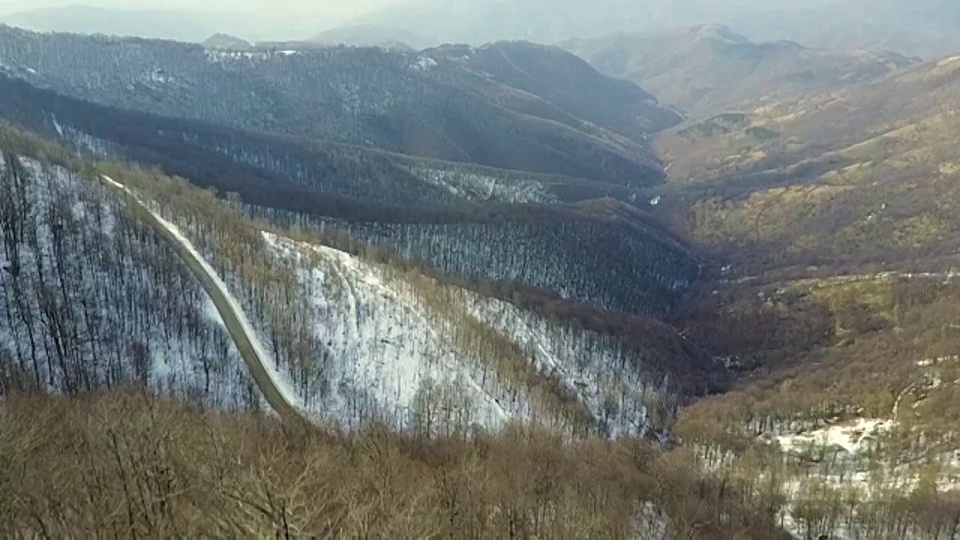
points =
(494, 292)
(127, 464)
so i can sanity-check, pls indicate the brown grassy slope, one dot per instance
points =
(866, 175)
(833, 293)
(841, 237)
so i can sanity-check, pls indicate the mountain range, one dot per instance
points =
(478, 291)
(369, 97)
(709, 69)
(925, 28)
(922, 28)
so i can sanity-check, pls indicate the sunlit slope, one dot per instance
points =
(865, 175)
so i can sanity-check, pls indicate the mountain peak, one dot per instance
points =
(226, 41)
(370, 35)
(717, 32)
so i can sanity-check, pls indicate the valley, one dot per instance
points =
(496, 290)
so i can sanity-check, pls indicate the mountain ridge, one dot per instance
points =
(709, 69)
(370, 97)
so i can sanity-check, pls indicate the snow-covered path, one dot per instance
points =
(277, 390)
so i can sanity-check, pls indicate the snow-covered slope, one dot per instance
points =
(228, 308)
(109, 290)
(91, 299)
(384, 355)
(425, 356)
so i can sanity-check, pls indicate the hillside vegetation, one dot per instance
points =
(499, 402)
(359, 335)
(411, 103)
(607, 257)
(422, 208)
(363, 340)
(860, 176)
(475, 308)
(125, 464)
(279, 171)
(833, 293)
(81, 279)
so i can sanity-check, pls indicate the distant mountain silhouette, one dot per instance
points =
(369, 35)
(711, 68)
(226, 41)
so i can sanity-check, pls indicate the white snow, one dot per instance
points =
(385, 342)
(159, 77)
(424, 63)
(278, 379)
(948, 61)
(119, 290)
(384, 347)
(221, 56)
(57, 126)
(481, 187)
(927, 362)
(854, 437)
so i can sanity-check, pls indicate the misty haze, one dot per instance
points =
(923, 27)
(646, 269)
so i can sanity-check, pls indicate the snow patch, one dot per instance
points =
(948, 61)
(384, 353)
(57, 126)
(487, 188)
(224, 56)
(424, 63)
(854, 437)
(927, 362)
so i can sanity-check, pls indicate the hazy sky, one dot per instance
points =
(917, 27)
(340, 9)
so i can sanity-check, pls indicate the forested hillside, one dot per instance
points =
(93, 299)
(406, 102)
(120, 464)
(603, 255)
(849, 178)
(282, 171)
(362, 336)
(357, 336)
(632, 264)
(563, 81)
(482, 291)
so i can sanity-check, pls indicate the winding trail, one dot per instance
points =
(279, 395)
